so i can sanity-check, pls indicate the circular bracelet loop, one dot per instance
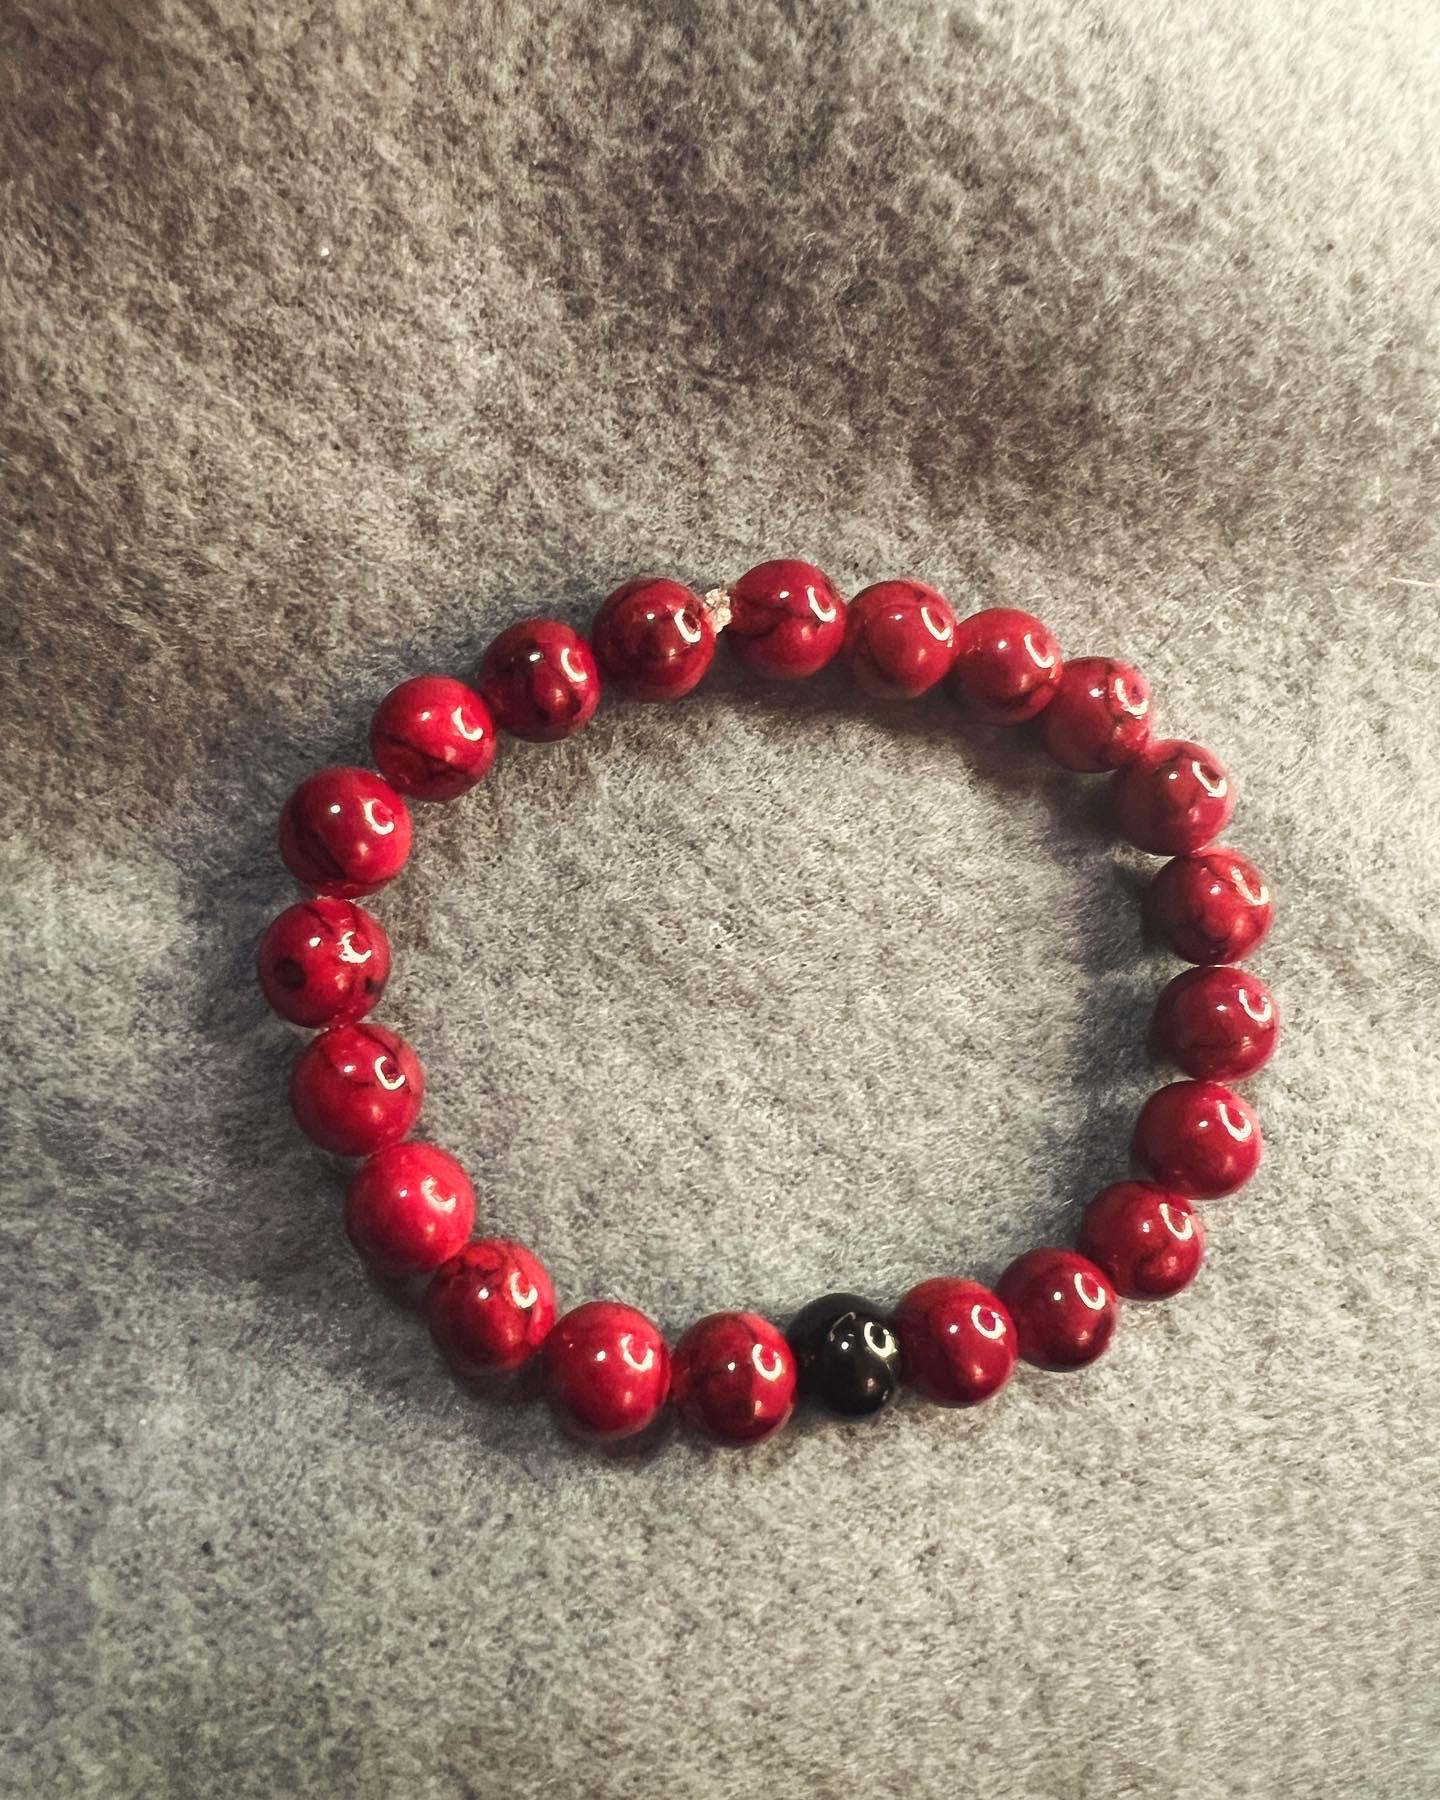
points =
(357, 1089)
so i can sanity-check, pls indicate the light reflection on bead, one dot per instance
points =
(733, 1378)
(1216, 1023)
(1147, 1240)
(607, 1371)
(1198, 1139)
(957, 1341)
(1064, 1308)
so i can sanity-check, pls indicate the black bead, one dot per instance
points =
(847, 1355)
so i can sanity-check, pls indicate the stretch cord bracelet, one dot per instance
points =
(606, 1369)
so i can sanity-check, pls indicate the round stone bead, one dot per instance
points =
(1098, 717)
(899, 640)
(344, 831)
(787, 620)
(1173, 798)
(733, 1377)
(323, 962)
(847, 1354)
(607, 1371)
(1213, 906)
(1007, 665)
(356, 1088)
(409, 1209)
(1147, 1240)
(957, 1341)
(541, 680)
(1216, 1023)
(654, 639)
(1197, 1138)
(490, 1307)
(433, 738)
(1063, 1305)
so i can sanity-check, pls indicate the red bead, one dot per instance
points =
(323, 962)
(957, 1341)
(733, 1377)
(1217, 1023)
(490, 1308)
(1149, 1241)
(1211, 907)
(1173, 798)
(344, 831)
(900, 639)
(356, 1088)
(1197, 1138)
(409, 1209)
(1007, 665)
(541, 680)
(433, 738)
(1098, 717)
(787, 620)
(654, 639)
(1063, 1305)
(607, 1370)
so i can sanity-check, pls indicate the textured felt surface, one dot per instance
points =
(337, 337)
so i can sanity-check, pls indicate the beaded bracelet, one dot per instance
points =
(356, 1088)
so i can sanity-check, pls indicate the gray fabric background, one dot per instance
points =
(338, 336)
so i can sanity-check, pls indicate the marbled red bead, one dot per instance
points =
(733, 1377)
(541, 680)
(1098, 717)
(607, 1371)
(1149, 1241)
(1213, 906)
(356, 1088)
(958, 1343)
(1173, 797)
(1216, 1023)
(323, 962)
(490, 1307)
(344, 831)
(654, 639)
(1007, 665)
(433, 738)
(409, 1209)
(1197, 1138)
(787, 620)
(899, 640)
(1063, 1305)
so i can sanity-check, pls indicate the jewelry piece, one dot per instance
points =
(356, 1088)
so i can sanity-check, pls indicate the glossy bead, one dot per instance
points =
(433, 738)
(409, 1209)
(1210, 907)
(957, 1341)
(344, 831)
(654, 639)
(787, 620)
(733, 1377)
(847, 1355)
(356, 1088)
(1149, 1241)
(607, 1371)
(1063, 1305)
(541, 680)
(1197, 1138)
(1098, 717)
(1216, 1023)
(900, 639)
(490, 1307)
(323, 962)
(1007, 665)
(1172, 798)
